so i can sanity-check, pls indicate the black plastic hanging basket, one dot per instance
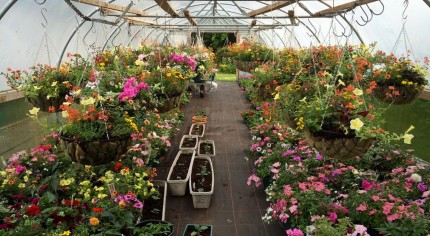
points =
(406, 94)
(97, 152)
(166, 104)
(338, 146)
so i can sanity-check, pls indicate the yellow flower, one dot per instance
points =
(138, 63)
(65, 233)
(277, 96)
(88, 101)
(303, 100)
(85, 183)
(94, 221)
(99, 188)
(54, 83)
(340, 82)
(408, 138)
(358, 92)
(64, 114)
(101, 195)
(26, 178)
(21, 185)
(356, 124)
(34, 111)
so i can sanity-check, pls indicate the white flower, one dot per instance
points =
(358, 92)
(408, 138)
(54, 83)
(356, 124)
(34, 111)
(416, 178)
(259, 149)
(64, 114)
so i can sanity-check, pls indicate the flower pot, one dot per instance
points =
(197, 129)
(189, 142)
(203, 230)
(407, 94)
(199, 119)
(180, 172)
(338, 146)
(151, 228)
(167, 103)
(148, 212)
(44, 103)
(202, 181)
(97, 152)
(246, 66)
(206, 148)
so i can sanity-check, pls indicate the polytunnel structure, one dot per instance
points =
(220, 117)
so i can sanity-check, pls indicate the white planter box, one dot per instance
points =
(186, 137)
(178, 187)
(199, 151)
(162, 183)
(202, 199)
(202, 126)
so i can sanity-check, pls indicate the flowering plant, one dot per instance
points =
(46, 81)
(250, 50)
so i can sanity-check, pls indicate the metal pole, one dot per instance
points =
(6, 8)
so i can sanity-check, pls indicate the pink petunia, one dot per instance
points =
(361, 207)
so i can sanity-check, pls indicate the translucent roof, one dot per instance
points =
(42, 31)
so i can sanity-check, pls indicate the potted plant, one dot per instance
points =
(206, 148)
(46, 87)
(249, 54)
(180, 172)
(154, 207)
(400, 81)
(155, 228)
(197, 230)
(200, 118)
(198, 129)
(189, 142)
(202, 181)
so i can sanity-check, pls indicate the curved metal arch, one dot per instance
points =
(73, 34)
(134, 35)
(7, 8)
(111, 34)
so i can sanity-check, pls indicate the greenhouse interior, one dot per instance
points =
(220, 117)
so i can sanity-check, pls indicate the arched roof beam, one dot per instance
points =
(6, 8)
(110, 6)
(164, 4)
(271, 7)
(73, 34)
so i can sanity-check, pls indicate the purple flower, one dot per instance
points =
(336, 172)
(19, 169)
(297, 158)
(138, 205)
(422, 187)
(319, 157)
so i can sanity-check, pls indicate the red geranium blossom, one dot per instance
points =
(33, 210)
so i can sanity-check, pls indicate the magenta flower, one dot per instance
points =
(422, 187)
(332, 216)
(294, 232)
(132, 88)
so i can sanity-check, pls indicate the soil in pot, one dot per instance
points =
(201, 175)
(197, 130)
(180, 171)
(206, 148)
(153, 207)
(189, 143)
(202, 230)
(156, 227)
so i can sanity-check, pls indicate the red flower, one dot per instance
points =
(117, 166)
(33, 210)
(97, 210)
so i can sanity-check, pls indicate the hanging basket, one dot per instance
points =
(338, 146)
(44, 103)
(167, 103)
(288, 120)
(407, 94)
(246, 66)
(265, 92)
(96, 152)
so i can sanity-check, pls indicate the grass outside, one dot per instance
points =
(225, 77)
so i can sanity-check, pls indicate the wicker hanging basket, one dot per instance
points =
(246, 66)
(96, 152)
(407, 94)
(338, 146)
(168, 103)
(44, 103)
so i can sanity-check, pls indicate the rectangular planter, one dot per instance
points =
(200, 152)
(178, 187)
(189, 228)
(162, 183)
(202, 199)
(186, 137)
(202, 126)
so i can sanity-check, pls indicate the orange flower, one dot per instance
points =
(122, 204)
(94, 221)
(387, 76)
(97, 210)
(51, 109)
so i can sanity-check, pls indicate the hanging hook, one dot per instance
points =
(341, 25)
(314, 31)
(367, 20)
(44, 17)
(115, 38)
(406, 4)
(377, 14)
(40, 3)
(92, 26)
